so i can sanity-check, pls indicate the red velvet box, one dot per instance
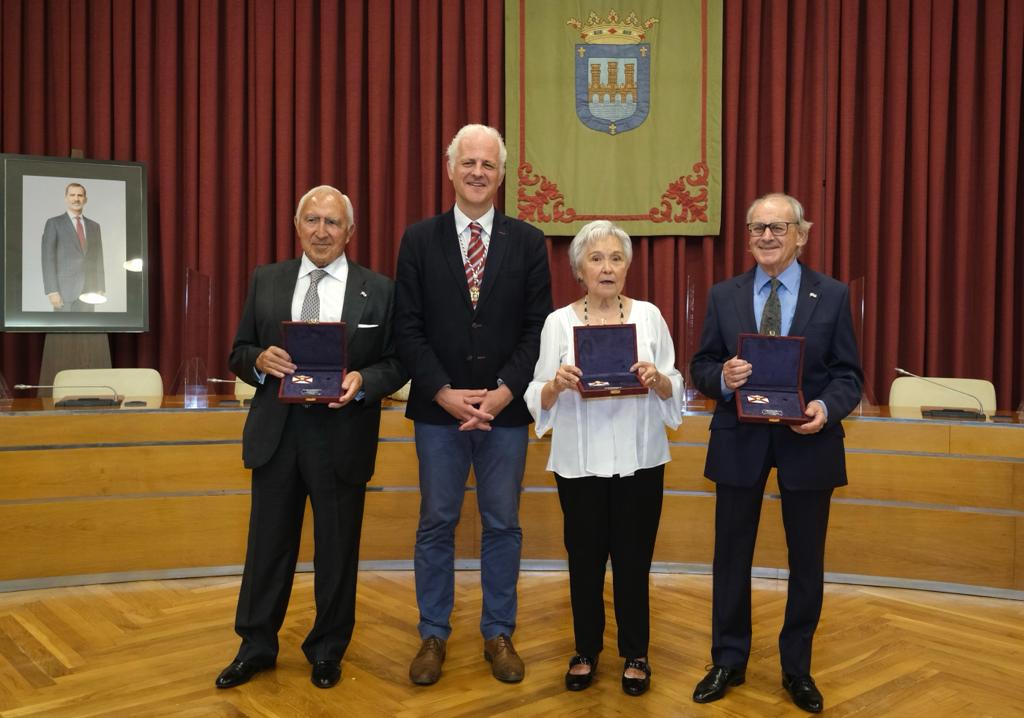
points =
(773, 393)
(318, 350)
(604, 353)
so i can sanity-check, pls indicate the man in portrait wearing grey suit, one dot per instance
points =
(72, 255)
(324, 451)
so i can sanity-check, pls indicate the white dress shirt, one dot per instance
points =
(331, 288)
(611, 435)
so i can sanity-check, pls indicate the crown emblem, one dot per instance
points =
(612, 30)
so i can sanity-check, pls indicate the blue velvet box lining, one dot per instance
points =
(318, 350)
(773, 392)
(604, 353)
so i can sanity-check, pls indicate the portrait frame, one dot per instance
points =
(32, 193)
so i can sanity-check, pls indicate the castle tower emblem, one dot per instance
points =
(613, 71)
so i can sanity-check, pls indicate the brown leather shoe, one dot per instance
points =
(426, 666)
(506, 665)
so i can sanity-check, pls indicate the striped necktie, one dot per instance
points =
(476, 257)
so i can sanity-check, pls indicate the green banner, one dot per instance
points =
(614, 113)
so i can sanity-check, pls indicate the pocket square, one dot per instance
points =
(368, 326)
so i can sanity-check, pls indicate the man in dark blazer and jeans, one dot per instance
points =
(780, 296)
(472, 292)
(326, 452)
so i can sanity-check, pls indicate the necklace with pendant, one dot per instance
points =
(622, 314)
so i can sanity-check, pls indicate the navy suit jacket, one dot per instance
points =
(367, 313)
(737, 451)
(442, 339)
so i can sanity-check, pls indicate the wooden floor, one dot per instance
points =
(154, 648)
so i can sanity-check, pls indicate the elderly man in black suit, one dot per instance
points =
(326, 452)
(782, 296)
(473, 291)
(72, 255)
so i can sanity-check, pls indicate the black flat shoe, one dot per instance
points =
(716, 682)
(237, 673)
(325, 673)
(804, 693)
(579, 681)
(636, 686)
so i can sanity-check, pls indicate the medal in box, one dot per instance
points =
(773, 393)
(604, 353)
(319, 353)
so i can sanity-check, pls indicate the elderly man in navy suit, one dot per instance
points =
(472, 293)
(72, 254)
(323, 451)
(796, 301)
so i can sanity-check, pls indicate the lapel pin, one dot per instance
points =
(362, 293)
(812, 295)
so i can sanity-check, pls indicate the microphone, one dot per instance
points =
(69, 401)
(938, 412)
(233, 382)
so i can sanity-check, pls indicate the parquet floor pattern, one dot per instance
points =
(153, 649)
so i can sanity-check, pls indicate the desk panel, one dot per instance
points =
(103, 492)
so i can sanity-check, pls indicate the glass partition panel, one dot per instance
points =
(191, 381)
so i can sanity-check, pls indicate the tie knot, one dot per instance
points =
(475, 228)
(316, 275)
(775, 283)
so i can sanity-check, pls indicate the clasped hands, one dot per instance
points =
(277, 362)
(474, 408)
(736, 372)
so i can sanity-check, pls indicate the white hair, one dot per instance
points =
(466, 130)
(326, 188)
(594, 232)
(794, 203)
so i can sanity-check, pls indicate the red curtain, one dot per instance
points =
(898, 124)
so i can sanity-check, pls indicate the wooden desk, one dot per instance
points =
(97, 495)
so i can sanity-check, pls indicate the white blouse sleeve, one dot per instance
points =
(665, 360)
(552, 349)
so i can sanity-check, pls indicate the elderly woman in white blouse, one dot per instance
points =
(608, 455)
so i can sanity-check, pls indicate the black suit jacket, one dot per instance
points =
(737, 451)
(367, 313)
(442, 340)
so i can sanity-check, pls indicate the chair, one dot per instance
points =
(910, 393)
(244, 391)
(133, 385)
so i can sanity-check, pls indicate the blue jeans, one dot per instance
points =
(498, 458)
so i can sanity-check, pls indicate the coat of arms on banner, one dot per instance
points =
(613, 72)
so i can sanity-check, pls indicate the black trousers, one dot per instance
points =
(805, 519)
(300, 467)
(611, 517)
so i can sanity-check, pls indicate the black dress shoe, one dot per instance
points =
(804, 693)
(579, 681)
(636, 686)
(237, 673)
(715, 683)
(326, 673)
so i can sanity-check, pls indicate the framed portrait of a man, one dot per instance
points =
(74, 244)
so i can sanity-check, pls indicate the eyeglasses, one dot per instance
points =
(778, 229)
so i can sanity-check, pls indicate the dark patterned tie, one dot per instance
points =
(771, 316)
(311, 302)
